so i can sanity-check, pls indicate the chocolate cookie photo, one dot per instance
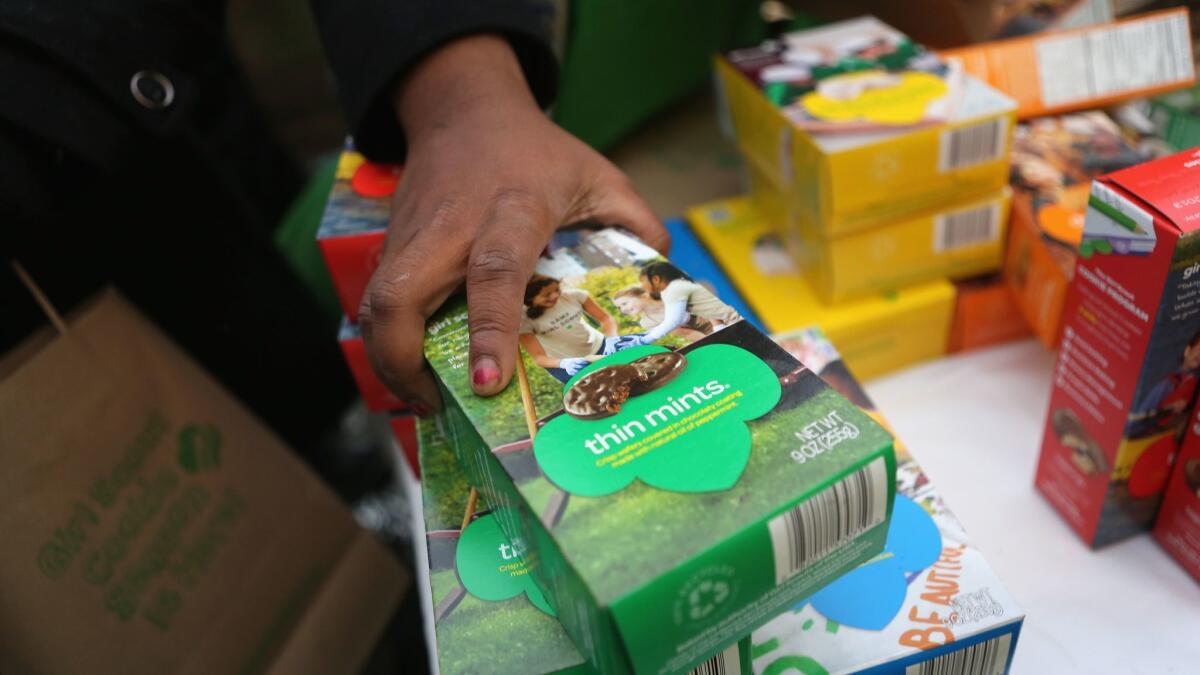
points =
(600, 393)
(655, 370)
(1085, 452)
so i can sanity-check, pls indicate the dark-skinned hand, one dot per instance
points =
(487, 181)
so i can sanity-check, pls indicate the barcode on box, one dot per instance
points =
(982, 658)
(807, 532)
(969, 227)
(976, 144)
(728, 662)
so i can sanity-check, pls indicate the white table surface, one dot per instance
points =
(974, 422)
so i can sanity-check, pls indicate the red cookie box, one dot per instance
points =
(1178, 524)
(354, 223)
(377, 396)
(1127, 372)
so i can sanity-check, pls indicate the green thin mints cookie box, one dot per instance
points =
(484, 621)
(486, 613)
(674, 479)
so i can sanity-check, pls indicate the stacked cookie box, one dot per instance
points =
(1066, 138)
(480, 616)
(880, 165)
(1127, 372)
(350, 237)
(670, 477)
(474, 623)
(876, 334)
(880, 169)
(931, 602)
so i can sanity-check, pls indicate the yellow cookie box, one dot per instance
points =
(957, 240)
(876, 335)
(840, 183)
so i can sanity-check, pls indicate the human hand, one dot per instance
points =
(573, 366)
(487, 181)
(639, 340)
(614, 344)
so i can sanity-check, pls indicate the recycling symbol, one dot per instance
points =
(705, 597)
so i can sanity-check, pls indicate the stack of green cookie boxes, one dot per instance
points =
(675, 509)
(487, 614)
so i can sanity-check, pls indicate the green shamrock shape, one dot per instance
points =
(492, 568)
(688, 435)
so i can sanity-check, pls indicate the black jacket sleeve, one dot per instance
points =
(371, 43)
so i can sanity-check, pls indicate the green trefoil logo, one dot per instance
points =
(491, 567)
(687, 435)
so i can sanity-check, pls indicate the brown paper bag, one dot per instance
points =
(150, 524)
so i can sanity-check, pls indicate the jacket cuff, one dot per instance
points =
(372, 45)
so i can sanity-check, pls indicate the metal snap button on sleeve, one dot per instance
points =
(152, 89)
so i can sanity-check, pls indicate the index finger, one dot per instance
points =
(402, 294)
(499, 268)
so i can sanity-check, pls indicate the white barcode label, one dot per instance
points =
(727, 662)
(982, 658)
(1116, 59)
(969, 227)
(807, 532)
(976, 144)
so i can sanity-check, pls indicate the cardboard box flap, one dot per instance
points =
(1170, 186)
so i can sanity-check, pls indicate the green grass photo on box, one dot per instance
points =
(603, 283)
(446, 490)
(480, 636)
(501, 414)
(495, 416)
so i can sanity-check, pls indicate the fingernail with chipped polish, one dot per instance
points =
(485, 374)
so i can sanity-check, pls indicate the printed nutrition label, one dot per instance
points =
(1106, 337)
(1082, 374)
(1108, 61)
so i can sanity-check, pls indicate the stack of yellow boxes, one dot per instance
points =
(881, 168)
(875, 335)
